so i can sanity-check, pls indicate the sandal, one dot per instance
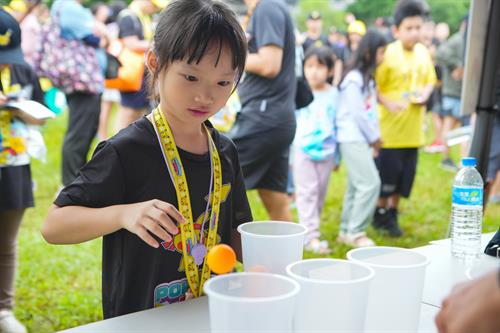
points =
(317, 246)
(355, 240)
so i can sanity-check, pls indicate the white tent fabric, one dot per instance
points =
(482, 65)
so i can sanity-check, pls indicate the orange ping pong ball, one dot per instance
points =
(221, 259)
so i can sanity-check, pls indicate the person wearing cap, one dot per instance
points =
(135, 31)
(17, 81)
(26, 13)
(17, 8)
(356, 30)
(315, 37)
(314, 33)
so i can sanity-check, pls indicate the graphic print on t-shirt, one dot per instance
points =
(175, 291)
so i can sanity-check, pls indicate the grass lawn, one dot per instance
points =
(60, 286)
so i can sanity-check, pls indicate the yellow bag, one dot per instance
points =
(130, 74)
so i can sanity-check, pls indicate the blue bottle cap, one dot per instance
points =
(469, 161)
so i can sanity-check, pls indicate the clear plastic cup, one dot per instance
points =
(251, 302)
(396, 290)
(480, 267)
(333, 295)
(269, 246)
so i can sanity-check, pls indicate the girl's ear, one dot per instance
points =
(151, 61)
(395, 31)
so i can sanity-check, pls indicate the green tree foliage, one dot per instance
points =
(330, 16)
(369, 10)
(449, 11)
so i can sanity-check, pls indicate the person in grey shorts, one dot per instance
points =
(450, 57)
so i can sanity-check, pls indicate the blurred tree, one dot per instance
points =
(330, 16)
(449, 11)
(369, 10)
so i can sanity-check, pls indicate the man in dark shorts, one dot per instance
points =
(265, 127)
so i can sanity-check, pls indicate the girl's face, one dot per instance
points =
(315, 72)
(379, 56)
(194, 92)
(102, 14)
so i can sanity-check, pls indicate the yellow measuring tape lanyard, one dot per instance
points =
(188, 236)
(5, 116)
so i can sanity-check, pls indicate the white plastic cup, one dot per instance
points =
(480, 267)
(269, 246)
(396, 290)
(333, 295)
(251, 302)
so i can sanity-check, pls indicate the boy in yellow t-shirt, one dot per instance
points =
(405, 81)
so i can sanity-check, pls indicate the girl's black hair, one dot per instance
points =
(364, 58)
(115, 7)
(324, 54)
(187, 28)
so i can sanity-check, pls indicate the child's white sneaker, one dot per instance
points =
(9, 323)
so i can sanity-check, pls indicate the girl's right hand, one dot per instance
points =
(152, 217)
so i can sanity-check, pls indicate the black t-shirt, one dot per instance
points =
(129, 24)
(321, 41)
(271, 101)
(129, 168)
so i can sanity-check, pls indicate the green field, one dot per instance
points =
(60, 286)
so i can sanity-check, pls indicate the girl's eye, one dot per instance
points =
(190, 78)
(224, 83)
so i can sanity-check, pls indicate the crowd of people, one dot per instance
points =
(308, 102)
(421, 71)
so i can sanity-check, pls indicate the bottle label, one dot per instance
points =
(467, 196)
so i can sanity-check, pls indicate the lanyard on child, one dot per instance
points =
(193, 251)
(5, 77)
(5, 117)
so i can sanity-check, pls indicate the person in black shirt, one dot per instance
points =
(132, 191)
(265, 126)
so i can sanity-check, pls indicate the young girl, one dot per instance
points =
(17, 81)
(315, 145)
(168, 187)
(358, 133)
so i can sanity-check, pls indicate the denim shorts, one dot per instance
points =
(451, 107)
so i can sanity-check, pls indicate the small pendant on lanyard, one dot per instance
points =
(199, 251)
(194, 249)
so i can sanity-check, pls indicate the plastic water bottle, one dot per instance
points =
(467, 211)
